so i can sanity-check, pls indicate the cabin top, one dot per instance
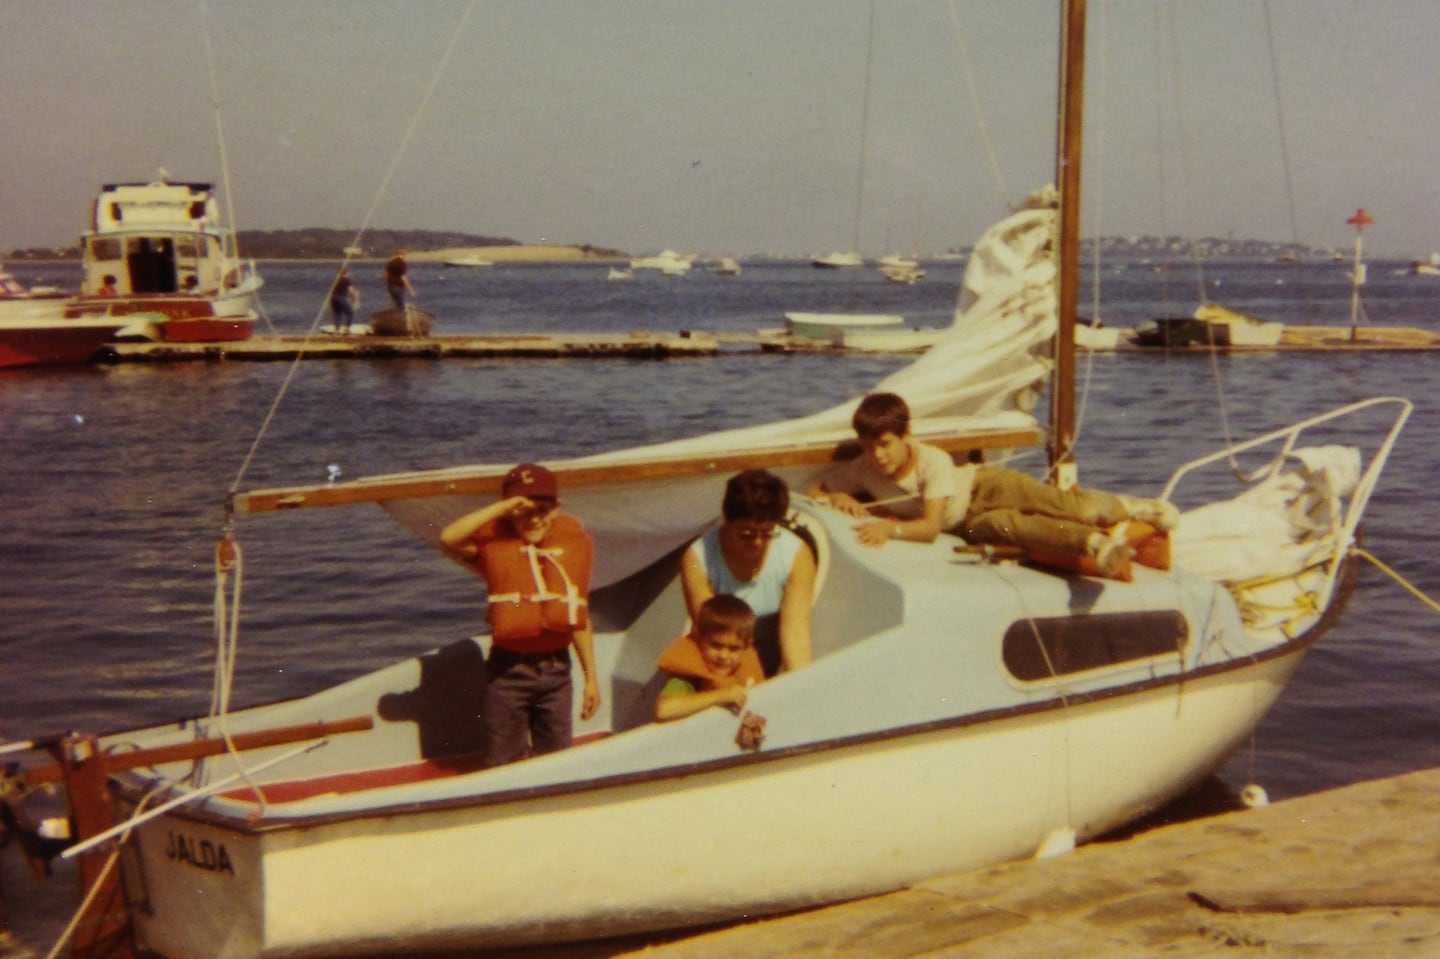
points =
(160, 204)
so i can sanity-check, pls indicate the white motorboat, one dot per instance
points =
(959, 711)
(838, 261)
(825, 326)
(468, 261)
(160, 247)
(667, 262)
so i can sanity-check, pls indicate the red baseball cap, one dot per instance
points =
(530, 480)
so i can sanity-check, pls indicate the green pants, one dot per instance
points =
(1011, 507)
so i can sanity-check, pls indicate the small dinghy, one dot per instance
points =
(409, 320)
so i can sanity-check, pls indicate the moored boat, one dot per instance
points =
(160, 247)
(34, 330)
(667, 262)
(825, 326)
(408, 320)
(838, 261)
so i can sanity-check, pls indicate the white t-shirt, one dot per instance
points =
(935, 476)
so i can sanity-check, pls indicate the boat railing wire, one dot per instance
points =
(1288, 439)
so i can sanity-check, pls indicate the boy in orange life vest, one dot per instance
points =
(714, 664)
(536, 562)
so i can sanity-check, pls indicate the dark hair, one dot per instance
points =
(723, 613)
(880, 413)
(755, 495)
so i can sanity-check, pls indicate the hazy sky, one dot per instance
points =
(727, 127)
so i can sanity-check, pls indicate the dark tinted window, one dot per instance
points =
(1041, 648)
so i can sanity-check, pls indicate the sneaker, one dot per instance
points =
(1111, 551)
(1160, 513)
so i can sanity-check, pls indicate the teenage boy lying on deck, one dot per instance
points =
(917, 492)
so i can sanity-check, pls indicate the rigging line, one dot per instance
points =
(864, 126)
(1397, 577)
(1099, 190)
(99, 884)
(1222, 405)
(974, 92)
(1280, 125)
(219, 129)
(380, 191)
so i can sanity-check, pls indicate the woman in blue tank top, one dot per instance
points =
(752, 556)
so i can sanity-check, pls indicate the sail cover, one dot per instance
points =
(984, 375)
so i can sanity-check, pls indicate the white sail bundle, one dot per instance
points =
(984, 376)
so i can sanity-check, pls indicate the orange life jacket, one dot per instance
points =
(684, 659)
(538, 593)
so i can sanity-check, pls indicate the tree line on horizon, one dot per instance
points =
(320, 243)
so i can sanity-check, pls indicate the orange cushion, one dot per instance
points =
(1151, 546)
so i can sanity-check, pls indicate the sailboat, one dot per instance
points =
(960, 711)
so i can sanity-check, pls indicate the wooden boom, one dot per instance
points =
(407, 486)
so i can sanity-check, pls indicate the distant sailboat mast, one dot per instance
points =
(864, 129)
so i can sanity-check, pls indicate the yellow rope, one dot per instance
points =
(1398, 578)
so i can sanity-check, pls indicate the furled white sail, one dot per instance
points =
(984, 375)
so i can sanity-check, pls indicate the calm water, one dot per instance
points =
(114, 480)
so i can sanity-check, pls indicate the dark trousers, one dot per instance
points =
(528, 704)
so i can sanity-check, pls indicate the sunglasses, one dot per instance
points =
(754, 533)
(538, 508)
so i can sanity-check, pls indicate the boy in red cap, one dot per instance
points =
(536, 563)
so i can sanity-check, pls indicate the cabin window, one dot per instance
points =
(105, 249)
(187, 247)
(1036, 649)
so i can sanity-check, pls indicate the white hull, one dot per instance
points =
(838, 261)
(822, 326)
(628, 857)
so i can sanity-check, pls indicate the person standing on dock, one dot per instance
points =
(344, 297)
(536, 562)
(397, 279)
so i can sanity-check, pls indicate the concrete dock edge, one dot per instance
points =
(1351, 872)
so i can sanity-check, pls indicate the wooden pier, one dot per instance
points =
(647, 345)
(365, 346)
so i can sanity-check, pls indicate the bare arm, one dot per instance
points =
(584, 642)
(456, 537)
(694, 583)
(680, 705)
(795, 607)
(922, 529)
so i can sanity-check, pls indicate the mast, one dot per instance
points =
(1067, 175)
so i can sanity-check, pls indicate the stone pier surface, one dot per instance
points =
(1344, 874)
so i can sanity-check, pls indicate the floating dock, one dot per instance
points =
(368, 347)
(1334, 875)
(643, 345)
